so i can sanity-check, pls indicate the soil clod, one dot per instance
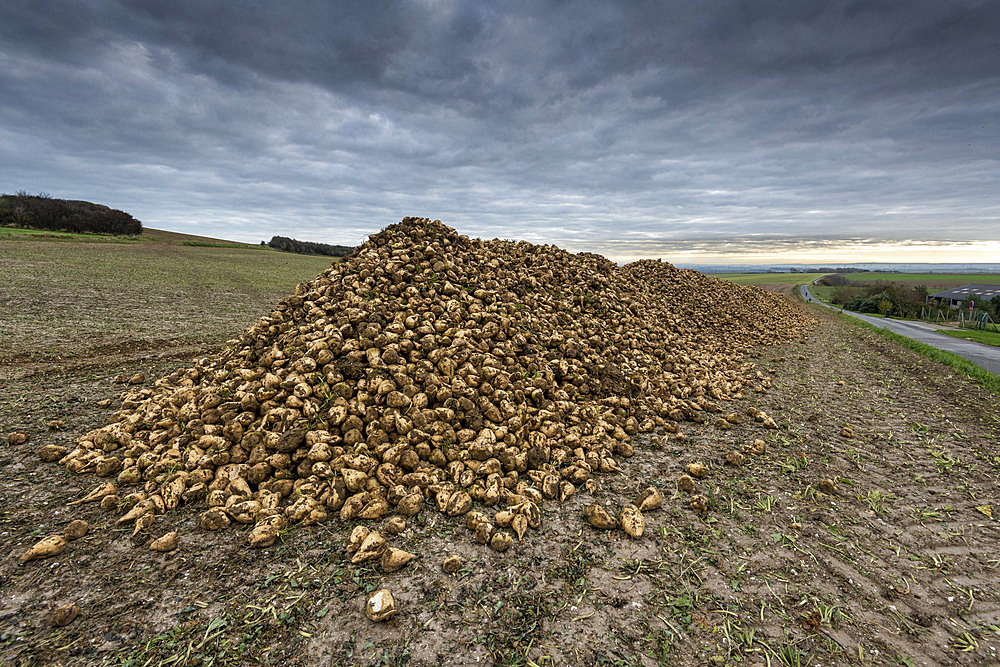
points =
(63, 616)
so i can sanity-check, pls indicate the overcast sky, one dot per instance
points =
(709, 130)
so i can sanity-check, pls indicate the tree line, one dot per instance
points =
(901, 300)
(308, 247)
(62, 215)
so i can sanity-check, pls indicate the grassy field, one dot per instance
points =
(822, 292)
(149, 236)
(163, 236)
(947, 279)
(7, 233)
(768, 278)
(987, 337)
(95, 293)
(934, 281)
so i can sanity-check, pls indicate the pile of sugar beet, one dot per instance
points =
(433, 371)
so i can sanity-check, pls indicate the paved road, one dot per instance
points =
(984, 356)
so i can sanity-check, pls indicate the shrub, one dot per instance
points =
(835, 280)
(308, 248)
(904, 300)
(867, 303)
(843, 294)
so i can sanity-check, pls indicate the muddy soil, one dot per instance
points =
(898, 566)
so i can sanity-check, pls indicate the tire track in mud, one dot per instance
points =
(921, 579)
(886, 568)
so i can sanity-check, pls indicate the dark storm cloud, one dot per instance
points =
(593, 125)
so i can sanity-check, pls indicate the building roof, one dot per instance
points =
(984, 292)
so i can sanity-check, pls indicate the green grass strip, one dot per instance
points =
(222, 244)
(980, 336)
(49, 234)
(988, 380)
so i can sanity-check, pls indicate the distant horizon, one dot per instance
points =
(749, 251)
(874, 267)
(757, 263)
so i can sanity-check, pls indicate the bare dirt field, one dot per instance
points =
(938, 280)
(900, 565)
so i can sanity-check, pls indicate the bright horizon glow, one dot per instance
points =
(828, 253)
(982, 252)
(719, 132)
(751, 251)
